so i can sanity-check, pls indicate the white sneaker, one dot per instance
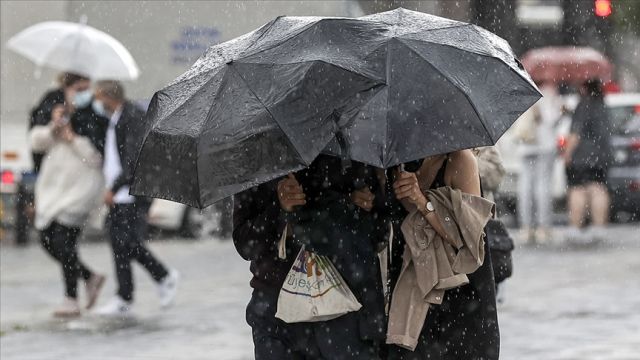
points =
(116, 307)
(167, 288)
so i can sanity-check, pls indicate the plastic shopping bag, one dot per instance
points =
(314, 290)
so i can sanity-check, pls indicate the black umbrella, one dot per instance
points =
(395, 86)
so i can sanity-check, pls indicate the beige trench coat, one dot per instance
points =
(431, 264)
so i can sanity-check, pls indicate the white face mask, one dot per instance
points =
(98, 108)
(82, 98)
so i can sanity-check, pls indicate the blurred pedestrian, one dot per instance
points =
(69, 184)
(536, 131)
(587, 157)
(127, 216)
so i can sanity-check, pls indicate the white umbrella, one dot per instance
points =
(77, 48)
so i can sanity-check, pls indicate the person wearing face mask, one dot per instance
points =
(127, 215)
(71, 144)
(73, 90)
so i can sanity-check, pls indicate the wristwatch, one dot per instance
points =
(429, 207)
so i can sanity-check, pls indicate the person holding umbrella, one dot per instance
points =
(69, 183)
(379, 90)
(127, 216)
(318, 204)
(464, 325)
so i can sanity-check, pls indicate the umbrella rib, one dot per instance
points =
(261, 35)
(268, 111)
(457, 87)
(302, 29)
(434, 29)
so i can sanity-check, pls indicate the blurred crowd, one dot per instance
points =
(84, 142)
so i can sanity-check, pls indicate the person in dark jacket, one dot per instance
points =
(127, 216)
(74, 90)
(330, 209)
(588, 156)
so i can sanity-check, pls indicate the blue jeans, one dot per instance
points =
(534, 190)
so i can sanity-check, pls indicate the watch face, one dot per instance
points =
(430, 206)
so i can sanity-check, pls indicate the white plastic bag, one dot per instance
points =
(314, 291)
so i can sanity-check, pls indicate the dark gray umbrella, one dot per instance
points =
(395, 86)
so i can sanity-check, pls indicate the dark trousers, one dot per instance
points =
(335, 339)
(128, 228)
(61, 243)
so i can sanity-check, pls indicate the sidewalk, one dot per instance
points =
(581, 304)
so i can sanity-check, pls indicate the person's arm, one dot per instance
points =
(571, 143)
(461, 173)
(577, 126)
(256, 222)
(41, 138)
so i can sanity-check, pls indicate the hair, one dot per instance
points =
(67, 79)
(594, 88)
(112, 89)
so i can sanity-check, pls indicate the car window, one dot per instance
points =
(625, 120)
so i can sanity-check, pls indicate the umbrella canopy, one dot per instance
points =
(568, 64)
(394, 87)
(77, 48)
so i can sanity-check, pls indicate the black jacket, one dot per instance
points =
(41, 115)
(328, 225)
(84, 121)
(129, 138)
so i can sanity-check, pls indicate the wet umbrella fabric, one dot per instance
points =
(395, 87)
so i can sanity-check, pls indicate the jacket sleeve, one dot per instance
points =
(257, 223)
(41, 138)
(82, 146)
(134, 132)
(41, 114)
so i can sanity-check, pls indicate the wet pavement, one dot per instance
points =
(563, 302)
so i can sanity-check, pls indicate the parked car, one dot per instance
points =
(623, 177)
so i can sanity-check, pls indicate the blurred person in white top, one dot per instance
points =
(536, 132)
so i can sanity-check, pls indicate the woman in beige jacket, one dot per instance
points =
(69, 186)
(464, 325)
